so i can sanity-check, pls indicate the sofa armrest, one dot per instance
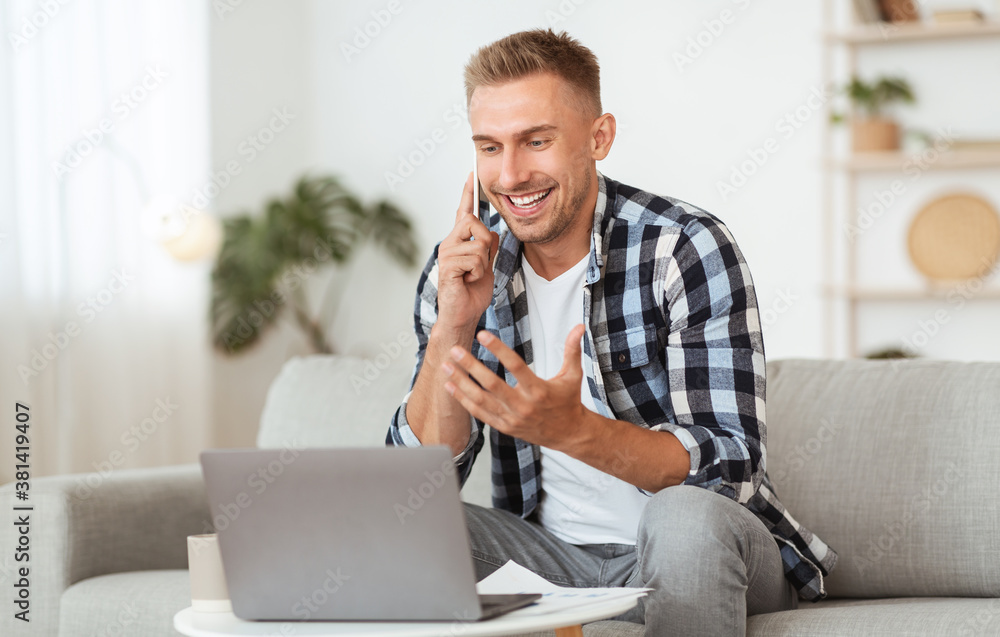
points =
(84, 525)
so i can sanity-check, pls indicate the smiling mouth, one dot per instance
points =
(526, 202)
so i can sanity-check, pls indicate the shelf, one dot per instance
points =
(915, 294)
(846, 292)
(897, 161)
(885, 33)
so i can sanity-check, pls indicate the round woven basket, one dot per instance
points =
(955, 237)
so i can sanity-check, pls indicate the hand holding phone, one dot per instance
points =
(465, 264)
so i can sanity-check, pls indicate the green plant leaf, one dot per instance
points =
(391, 228)
(872, 98)
(259, 264)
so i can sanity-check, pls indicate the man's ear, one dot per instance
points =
(602, 135)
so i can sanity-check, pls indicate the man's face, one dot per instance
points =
(533, 147)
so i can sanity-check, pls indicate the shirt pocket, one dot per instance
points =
(633, 347)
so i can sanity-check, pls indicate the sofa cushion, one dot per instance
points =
(136, 604)
(334, 401)
(894, 464)
(914, 617)
(346, 401)
(613, 629)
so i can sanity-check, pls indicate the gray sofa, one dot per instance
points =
(892, 463)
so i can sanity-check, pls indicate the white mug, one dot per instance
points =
(208, 580)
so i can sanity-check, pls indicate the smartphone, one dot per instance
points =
(479, 199)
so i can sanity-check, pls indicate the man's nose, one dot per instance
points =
(514, 170)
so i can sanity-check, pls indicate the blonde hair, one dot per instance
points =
(538, 51)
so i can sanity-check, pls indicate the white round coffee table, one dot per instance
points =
(566, 624)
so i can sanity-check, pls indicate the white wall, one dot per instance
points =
(261, 60)
(684, 127)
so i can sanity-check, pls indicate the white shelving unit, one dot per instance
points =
(844, 292)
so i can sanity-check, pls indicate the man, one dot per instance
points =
(610, 339)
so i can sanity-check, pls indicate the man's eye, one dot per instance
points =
(537, 143)
(489, 149)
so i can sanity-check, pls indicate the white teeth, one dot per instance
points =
(524, 202)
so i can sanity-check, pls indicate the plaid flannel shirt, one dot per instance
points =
(673, 343)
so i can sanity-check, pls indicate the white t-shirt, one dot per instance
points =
(579, 503)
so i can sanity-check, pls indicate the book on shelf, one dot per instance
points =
(867, 11)
(976, 144)
(958, 16)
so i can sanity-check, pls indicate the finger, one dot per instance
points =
(469, 267)
(476, 410)
(464, 361)
(494, 248)
(509, 358)
(571, 353)
(468, 227)
(472, 397)
(465, 206)
(454, 249)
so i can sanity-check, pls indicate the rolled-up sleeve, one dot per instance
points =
(424, 316)
(715, 361)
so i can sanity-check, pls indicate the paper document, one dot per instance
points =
(514, 578)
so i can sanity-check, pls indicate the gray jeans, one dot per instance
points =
(709, 561)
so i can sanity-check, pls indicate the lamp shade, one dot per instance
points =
(199, 238)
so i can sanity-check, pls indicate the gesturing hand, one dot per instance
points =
(543, 412)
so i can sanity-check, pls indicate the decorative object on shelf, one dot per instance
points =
(955, 237)
(867, 11)
(265, 259)
(986, 144)
(872, 11)
(899, 10)
(958, 16)
(871, 128)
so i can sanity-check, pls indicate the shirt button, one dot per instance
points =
(621, 358)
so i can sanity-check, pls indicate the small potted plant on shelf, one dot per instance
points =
(872, 129)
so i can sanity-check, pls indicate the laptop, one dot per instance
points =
(369, 534)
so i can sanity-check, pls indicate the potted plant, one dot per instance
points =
(262, 268)
(871, 128)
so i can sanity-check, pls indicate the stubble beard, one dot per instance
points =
(561, 218)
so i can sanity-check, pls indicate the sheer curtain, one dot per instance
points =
(103, 116)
